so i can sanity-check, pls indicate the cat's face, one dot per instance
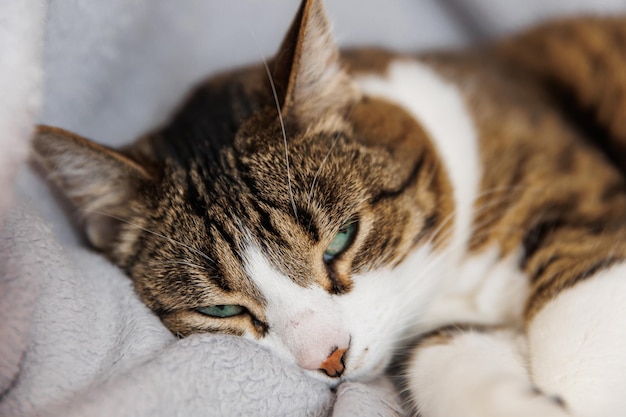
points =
(304, 251)
(304, 231)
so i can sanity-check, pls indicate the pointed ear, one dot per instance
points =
(307, 73)
(98, 180)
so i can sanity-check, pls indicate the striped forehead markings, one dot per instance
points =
(305, 218)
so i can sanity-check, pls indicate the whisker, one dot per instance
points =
(169, 239)
(444, 223)
(188, 264)
(282, 127)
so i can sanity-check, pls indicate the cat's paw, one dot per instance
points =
(511, 401)
(497, 398)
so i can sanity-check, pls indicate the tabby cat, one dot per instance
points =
(334, 205)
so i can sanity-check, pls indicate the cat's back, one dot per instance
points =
(526, 158)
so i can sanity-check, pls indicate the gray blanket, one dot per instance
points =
(74, 338)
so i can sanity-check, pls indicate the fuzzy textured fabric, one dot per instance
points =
(96, 350)
(21, 39)
(74, 338)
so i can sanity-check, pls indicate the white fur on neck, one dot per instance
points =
(485, 289)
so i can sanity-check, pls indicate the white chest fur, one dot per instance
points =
(485, 289)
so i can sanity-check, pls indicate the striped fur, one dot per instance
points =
(485, 185)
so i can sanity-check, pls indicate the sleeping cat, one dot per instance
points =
(338, 206)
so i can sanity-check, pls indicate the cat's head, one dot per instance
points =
(291, 209)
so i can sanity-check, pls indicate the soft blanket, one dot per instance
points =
(74, 338)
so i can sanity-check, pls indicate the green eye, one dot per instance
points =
(342, 241)
(222, 311)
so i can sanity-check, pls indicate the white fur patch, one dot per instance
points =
(483, 289)
(477, 375)
(578, 345)
(384, 303)
(440, 109)
(305, 323)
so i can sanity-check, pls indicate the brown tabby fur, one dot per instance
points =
(545, 187)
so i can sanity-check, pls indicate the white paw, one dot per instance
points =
(512, 399)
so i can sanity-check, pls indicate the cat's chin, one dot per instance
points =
(367, 373)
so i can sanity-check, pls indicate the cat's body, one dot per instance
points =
(350, 203)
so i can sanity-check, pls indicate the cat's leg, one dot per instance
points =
(577, 344)
(475, 373)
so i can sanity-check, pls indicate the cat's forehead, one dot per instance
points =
(269, 133)
(305, 174)
(325, 168)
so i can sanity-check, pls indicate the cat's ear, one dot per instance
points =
(98, 180)
(307, 72)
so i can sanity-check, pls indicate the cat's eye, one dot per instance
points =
(342, 241)
(222, 311)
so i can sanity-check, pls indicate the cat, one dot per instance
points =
(336, 206)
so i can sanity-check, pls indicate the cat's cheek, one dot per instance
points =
(373, 342)
(307, 325)
(382, 306)
(274, 344)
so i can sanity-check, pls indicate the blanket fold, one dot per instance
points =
(85, 345)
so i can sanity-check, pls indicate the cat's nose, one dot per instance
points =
(334, 366)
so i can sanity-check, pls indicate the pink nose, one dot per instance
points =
(333, 366)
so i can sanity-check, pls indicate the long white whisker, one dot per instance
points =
(191, 248)
(282, 127)
(435, 233)
(188, 264)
